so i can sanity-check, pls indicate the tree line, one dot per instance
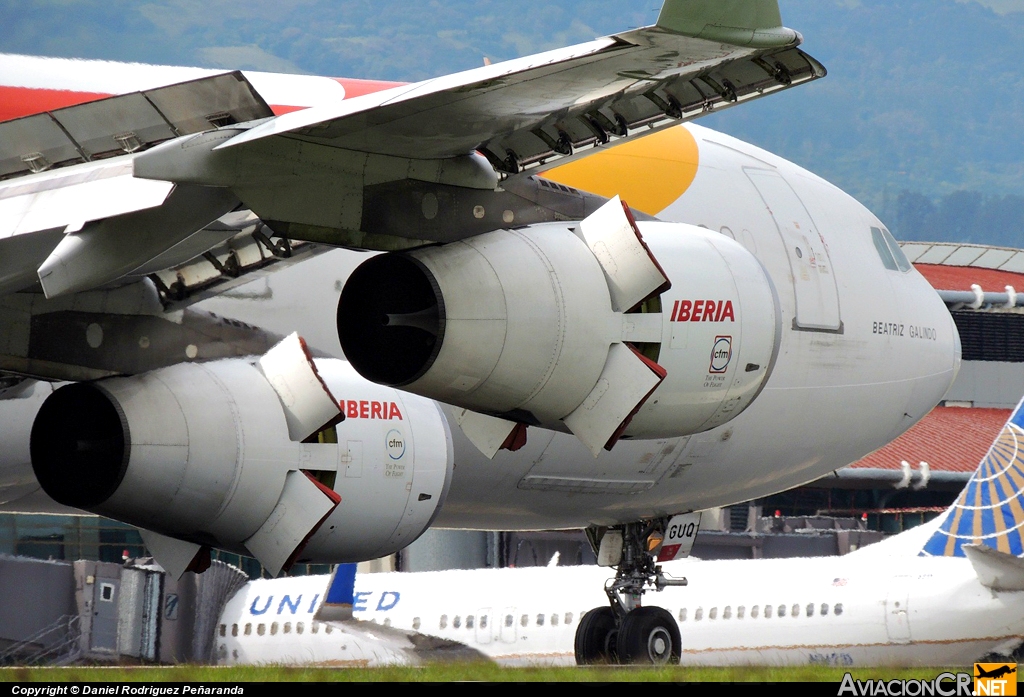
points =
(961, 216)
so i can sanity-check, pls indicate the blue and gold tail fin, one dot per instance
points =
(990, 509)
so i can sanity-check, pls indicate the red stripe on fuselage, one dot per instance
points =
(279, 109)
(357, 88)
(16, 102)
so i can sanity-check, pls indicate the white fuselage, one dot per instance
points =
(831, 398)
(838, 611)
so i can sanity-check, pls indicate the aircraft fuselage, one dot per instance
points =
(864, 352)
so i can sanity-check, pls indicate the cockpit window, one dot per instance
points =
(882, 247)
(897, 252)
(889, 250)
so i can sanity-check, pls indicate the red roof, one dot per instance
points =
(949, 439)
(961, 277)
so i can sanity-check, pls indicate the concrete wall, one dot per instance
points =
(437, 550)
(33, 595)
(989, 384)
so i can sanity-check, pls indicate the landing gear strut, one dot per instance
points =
(624, 631)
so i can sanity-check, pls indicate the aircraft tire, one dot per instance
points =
(649, 636)
(596, 637)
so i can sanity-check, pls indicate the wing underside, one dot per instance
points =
(111, 191)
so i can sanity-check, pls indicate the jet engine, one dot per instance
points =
(254, 456)
(570, 327)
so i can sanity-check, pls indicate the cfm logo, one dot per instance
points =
(721, 354)
(703, 311)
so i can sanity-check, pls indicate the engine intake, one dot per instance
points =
(82, 459)
(394, 319)
(248, 456)
(521, 324)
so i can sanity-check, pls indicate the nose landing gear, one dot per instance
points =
(624, 631)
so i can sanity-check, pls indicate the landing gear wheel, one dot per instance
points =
(649, 636)
(596, 637)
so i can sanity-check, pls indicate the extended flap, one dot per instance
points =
(625, 384)
(108, 249)
(632, 272)
(539, 110)
(126, 123)
(67, 199)
(303, 506)
(308, 403)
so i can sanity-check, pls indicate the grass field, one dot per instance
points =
(456, 672)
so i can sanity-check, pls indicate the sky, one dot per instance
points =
(277, 34)
(391, 39)
(1000, 6)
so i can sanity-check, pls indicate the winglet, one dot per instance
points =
(990, 509)
(753, 23)
(337, 604)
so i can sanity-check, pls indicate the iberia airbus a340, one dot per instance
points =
(598, 315)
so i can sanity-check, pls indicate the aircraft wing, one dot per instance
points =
(108, 188)
(335, 174)
(544, 108)
(147, 185)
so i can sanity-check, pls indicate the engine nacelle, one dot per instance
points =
(721, 328)
(486, 323)
(571, 326)
(209, 454)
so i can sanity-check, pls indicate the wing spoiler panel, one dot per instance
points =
(126, 123)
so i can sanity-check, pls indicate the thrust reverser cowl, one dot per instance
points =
(721, 331)
(542, 326)
(213, 454)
